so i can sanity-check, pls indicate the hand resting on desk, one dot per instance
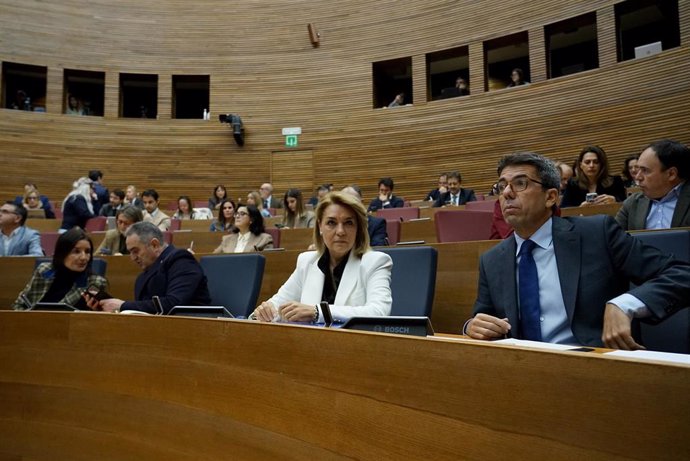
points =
(484, 326)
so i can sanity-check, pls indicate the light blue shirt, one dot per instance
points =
(661, 212)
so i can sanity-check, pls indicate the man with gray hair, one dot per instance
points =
(567, 280)
(169, 273)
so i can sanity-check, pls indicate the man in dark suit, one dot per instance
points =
(266, 192)
(577, 270)
(386, 199)
(169, 273)
(433, 195)
(456, 195)
(376, 227)
(116, 203)
(664, 199)
(15, 238)
(101, 191)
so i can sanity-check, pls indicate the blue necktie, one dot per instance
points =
(530, 310)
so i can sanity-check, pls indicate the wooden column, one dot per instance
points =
(606, 36)
(54, 90)
(477, 68)
(537, 55)
(684, 18)
(111, 103)
(164, 96)
(420, 91)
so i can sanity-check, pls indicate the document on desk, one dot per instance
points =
(652, 355)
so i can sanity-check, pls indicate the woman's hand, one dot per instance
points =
(604, 199)
(265, 312)
(297, 312)
(91, 301)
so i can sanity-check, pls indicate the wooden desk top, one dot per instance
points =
(103, 386)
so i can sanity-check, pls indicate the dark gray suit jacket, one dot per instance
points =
(596, 261)
(633, 213)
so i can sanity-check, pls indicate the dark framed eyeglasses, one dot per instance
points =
(241, 213)
(517, 184)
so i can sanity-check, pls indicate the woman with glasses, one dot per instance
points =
(248, 235)
(592, 184)
(65, 279)
(343, 271)
(226, 217)
(32, 201)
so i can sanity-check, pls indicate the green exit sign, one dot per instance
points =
(291, 141)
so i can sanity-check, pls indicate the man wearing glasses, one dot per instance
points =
(567, 280)
(17, 239)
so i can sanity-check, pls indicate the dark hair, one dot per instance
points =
(324, 187)
(521, 76)
(603, 177)
(221, 216)
(95, 175)
(547, 172)
(388, 182)
(625, 173)
(64, 245)
(150, 193)
(131, 212)
(225, 192)
(454, 174)
(19, 210)
(119, 192)
(186, 199)
(256, 221)
(290, 217)
(673, 154)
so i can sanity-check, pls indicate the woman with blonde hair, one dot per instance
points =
(254, 199)
(32, 201)
(343, 271)
(295, 216)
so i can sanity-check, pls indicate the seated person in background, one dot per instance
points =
(267, 199)
(517, 78)
(22, 101)
(102, 195)
(170, 273)
(399, 100)
(343, 271)
(219, 194)
(117, 198)
(65, 279)
(132, 197)
(376, 227)
(386, 199)
(442, 188)
(664, 200)
(114, 242)
(567, 280)
(73, 106)
(153, 214)
(462, 86)
(78, 206)
(226, 217)
(254, 199)
(566, 175)
(33, 201)
(320, 193)
(592, 176)
(248, 235)
(294, 215)
(456, 195)
(16, 238)
(44, 202)
(630, 170)
(185, 211)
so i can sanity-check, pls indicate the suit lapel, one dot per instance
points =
(682, 206)
(313, 284)
(567, 247)
(639, 221)
(348, 280)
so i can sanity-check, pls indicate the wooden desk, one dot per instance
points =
(422, 229)
(610, 209)
(296, 239)
(198, 225)
(44, 225)
(104, 386)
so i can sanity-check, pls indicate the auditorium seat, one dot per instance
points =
(234, 280)
(393, 231)
(275, 233)
(462, 225)
(96, 224)
(413, 280)
(673, 334)
(481, 205)
(48, 241)
(402, 214)
(175, 225)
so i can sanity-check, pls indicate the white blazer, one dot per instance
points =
(364, 290)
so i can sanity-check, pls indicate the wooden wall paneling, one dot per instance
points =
(537, 54)
(111, 96)
(419, 81)
(477, 68)
(684, 19)
(165, 91)
(55, 90)
(606, 36)
(292, 169)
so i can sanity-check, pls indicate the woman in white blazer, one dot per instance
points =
(344, 271)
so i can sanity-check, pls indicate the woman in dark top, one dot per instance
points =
(65, 278)
(219, 194)
(226, 217)
(77, 208)
(517, 78)
(630, 170)
(592, 176)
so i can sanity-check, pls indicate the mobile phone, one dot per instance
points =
(97, 293)
(326, 311)
(591, 197)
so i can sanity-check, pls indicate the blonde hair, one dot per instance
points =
(81, 186)
(348, 201)
(25, 200)
(258, 201)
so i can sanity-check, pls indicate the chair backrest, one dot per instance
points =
(234, 280)
(413, 281)
(98, 266)
(96, 224)
(393, 231)
(481, 205)
(401, 214)
(673, 334)
(48, 241)
(175, 225)
(275, 233)
(462, 225)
